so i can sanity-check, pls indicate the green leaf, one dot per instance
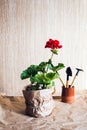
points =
(52, 76)
(40, 79)
(32, 70)
(24, 75)
(42, 66)
(58, 67)
(49, 66)
(32, 79)
(52, 83)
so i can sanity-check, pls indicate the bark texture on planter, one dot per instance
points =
(39, 103)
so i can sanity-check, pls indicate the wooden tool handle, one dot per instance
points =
(66, 83)
(73, 80)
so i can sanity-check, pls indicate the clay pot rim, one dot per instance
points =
(63, 87)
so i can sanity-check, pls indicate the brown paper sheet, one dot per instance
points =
(64, 117)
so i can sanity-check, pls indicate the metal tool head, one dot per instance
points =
(78, 70)
(69, 71)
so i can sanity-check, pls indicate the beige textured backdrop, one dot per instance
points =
(25, 26)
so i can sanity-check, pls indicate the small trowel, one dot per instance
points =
(69, 73)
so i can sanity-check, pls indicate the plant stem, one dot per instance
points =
(51, 56)
(50, 59)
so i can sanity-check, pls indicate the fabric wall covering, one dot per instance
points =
(25, 26)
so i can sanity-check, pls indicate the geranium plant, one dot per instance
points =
(42, 76)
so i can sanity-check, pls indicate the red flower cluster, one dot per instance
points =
(53, 44)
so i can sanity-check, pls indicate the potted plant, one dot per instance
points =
(38, 95)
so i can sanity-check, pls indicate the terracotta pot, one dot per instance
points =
(39, 103)
(68, 95)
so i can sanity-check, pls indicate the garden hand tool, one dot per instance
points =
(69, 73)
(75, 75)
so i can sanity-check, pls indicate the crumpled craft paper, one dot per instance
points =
(64, 117)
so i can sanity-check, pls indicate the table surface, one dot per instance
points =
(64, 117)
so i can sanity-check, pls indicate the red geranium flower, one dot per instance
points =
(53, 44)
